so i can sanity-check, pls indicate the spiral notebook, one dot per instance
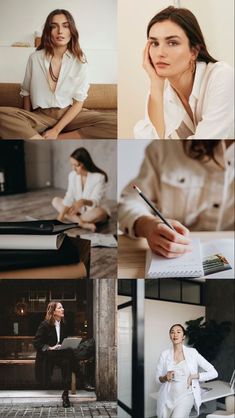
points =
(188, 265)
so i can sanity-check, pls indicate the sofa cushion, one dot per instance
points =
(100, 96)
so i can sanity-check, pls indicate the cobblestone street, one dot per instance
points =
(91, 410)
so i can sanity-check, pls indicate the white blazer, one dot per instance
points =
(194, 360)
(93, 190)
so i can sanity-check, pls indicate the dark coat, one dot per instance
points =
(45, 336)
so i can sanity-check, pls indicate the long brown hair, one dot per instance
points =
(73, 45)
(81, 155)
(51, 307)
(188, 22)
(201, 149)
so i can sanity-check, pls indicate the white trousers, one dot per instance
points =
(182, 409)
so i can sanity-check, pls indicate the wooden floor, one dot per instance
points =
(37, 204)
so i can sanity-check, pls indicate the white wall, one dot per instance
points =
(130, 156)
(216, 19)
(96, 21)
(159, 316)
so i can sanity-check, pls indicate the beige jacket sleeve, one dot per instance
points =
(131, 205)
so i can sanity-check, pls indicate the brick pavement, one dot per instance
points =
(84, 410)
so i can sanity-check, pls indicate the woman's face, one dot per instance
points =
(76, 166)
(59, 311)
(169, 49)
(177, 335)
(60, 30)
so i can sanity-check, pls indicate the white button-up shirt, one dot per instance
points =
(94, 190)
(198, 194)
(72, 82)
(57, 328)
(212, 104)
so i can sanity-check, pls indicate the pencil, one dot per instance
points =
(155, 210)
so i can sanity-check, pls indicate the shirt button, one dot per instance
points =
(182, 180)
(126, 231)
(216, 205)
(229, 162)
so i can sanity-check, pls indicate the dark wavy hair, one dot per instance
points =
(188, 22)
(73, 45)
(51, 307)
(178, 325)
(82, 156)
(201, 149)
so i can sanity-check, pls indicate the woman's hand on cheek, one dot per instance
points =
(166, 242)
(149, 68)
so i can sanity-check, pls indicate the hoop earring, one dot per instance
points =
(192, 66)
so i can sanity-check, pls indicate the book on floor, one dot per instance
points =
(31, 242)
(38, 227)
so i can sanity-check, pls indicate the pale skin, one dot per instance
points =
(177, 337)
(71, 213)
(161, 239)
(58, 315)
(168, 55)
(60, 36)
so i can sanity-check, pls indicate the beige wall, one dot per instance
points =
(216, 21)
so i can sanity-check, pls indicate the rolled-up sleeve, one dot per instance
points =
(81, 84)
(131, 206)
(25, 86)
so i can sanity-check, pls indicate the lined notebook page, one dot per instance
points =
(188, 265)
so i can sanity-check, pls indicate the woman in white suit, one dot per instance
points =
(177, 371)
(86, 190)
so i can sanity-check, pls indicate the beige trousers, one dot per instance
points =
(16, 123)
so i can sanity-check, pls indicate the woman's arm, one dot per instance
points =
(155, 103)
(41, 338)
(209, 373)
(27, 103)
(71, 113)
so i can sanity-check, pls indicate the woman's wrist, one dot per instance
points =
(143, 225)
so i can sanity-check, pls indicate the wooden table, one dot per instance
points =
(131, 252)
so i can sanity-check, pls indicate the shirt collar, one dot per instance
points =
(57, 323)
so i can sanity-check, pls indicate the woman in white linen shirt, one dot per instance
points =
(177, 372)
(191, 183)
(86, 190)
(190, 92)
(54, 89)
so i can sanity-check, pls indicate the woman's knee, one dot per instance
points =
(56, 203)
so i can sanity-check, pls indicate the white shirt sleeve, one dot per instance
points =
(82, 84)
(25, 87)
(70, 195)
(218, 108)
(97, 192)
(209, 373)
(160, 369)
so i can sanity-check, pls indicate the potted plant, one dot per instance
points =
(207, 336)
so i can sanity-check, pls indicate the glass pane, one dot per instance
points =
(191, 292)
(125, 355)
(151, 289)
(122, 413)
(170, 289)
(124, 287)
(123, 299)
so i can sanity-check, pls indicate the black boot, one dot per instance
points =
(65, 399)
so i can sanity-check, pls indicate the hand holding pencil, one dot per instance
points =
(168, 238)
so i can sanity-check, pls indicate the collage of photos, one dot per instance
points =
(117, 209)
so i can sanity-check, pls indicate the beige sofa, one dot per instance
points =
(100, 97)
